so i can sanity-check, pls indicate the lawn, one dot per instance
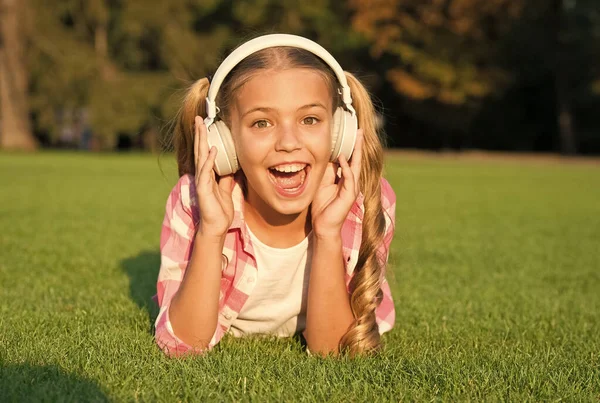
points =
(495, 271)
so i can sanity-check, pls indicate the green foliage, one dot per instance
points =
(494, 271)
(154, 49)
(439, 64)
(131, 102)
(62, 64)
(443, 50)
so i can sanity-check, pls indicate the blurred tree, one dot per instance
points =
(324, 21)
(489, 73)
(15, 128)
(553, 55)
(122, 60)
(441, 57)
(577, 67)
(469, 73)
(182, 37)
(158, 49)
(119, 60)
(442, 49)
(63, 63)
(561, 78)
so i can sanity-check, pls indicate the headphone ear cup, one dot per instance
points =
(219, 136)
(343, 134)
(336, 127)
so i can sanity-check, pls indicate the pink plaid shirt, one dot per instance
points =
(239, 273)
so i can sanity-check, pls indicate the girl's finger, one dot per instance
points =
(203, 138)
(347, 174)
(206, 172)
(329, 175)
(356, 160)
(226, 183)
(196, 145)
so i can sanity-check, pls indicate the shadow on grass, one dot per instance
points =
(142, 271)
(27, 382)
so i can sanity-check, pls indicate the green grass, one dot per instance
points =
(496, 279)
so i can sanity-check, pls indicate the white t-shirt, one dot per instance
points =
(277, 305)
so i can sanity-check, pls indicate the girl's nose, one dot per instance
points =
(288, 138)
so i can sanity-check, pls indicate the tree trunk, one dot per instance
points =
(99, 12)
(101, 46)
(15, 127)
(568, 142)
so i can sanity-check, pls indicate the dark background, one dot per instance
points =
(448, 74)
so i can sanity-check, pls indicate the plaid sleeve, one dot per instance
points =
(386, 314)
(176, 240)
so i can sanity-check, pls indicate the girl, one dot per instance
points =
(292, 242)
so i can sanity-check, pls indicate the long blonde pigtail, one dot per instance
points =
(365, 286)
(183, 127)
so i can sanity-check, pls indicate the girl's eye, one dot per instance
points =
(311, 120)
(261, 124)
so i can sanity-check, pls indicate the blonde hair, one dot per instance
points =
(365, 287)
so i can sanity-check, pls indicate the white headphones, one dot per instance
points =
(345, 124)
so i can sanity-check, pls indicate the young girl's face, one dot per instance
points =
(281, 125)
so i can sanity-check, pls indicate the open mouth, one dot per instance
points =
(289, 179)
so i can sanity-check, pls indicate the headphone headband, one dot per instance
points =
(270, 41)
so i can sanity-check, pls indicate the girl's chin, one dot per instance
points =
(287, 206)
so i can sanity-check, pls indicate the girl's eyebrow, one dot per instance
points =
(257, 109)
(314, 105)
(267, 109)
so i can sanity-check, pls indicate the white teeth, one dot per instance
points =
(289, 167)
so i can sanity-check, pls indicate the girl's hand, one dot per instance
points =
(333, 200)
(214, 197)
